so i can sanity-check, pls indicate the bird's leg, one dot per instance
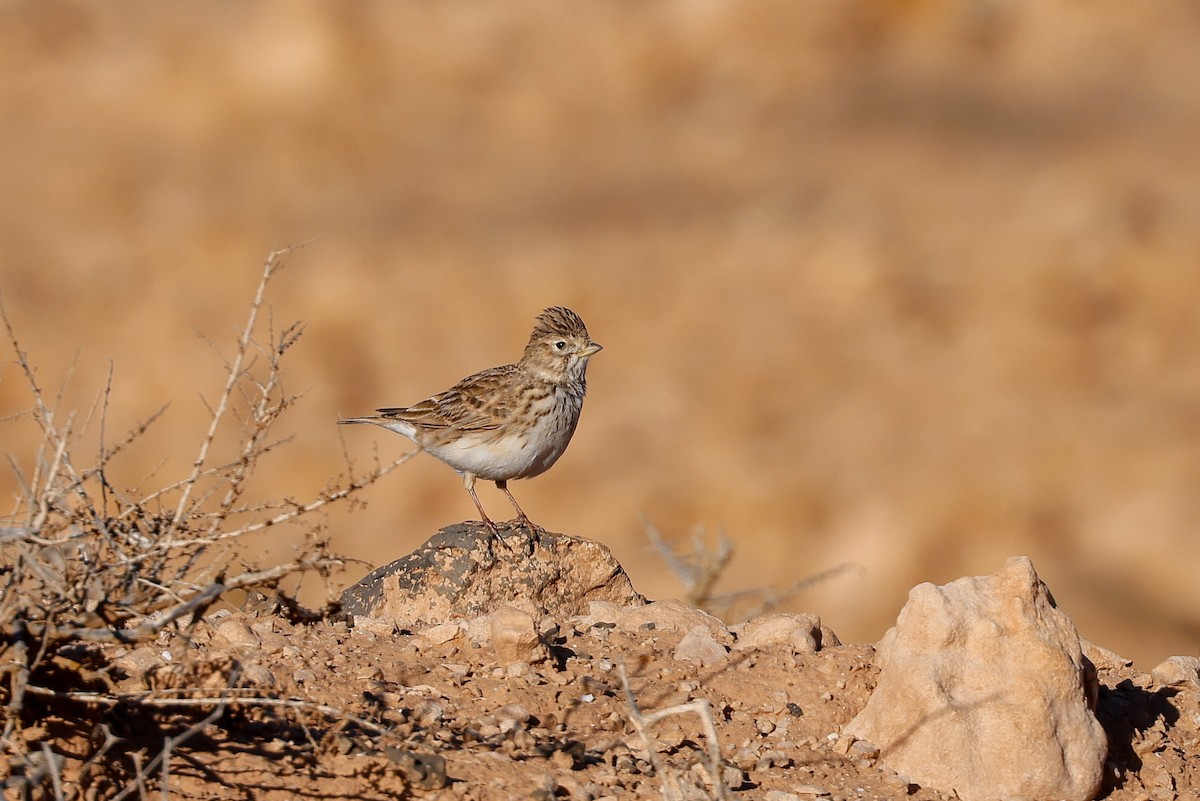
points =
(503, 487)
(532, 529)
(521, 516)
(469, 483)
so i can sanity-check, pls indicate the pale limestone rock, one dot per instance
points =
(1102, 657)
(983, 690)
(379, 626)
(601, 612)
(270, 641)
(479, 630)
(442, 633)
(664, 617)
(514, 638)
(1176, 671)
(699, 646)
(234, 632)
(256, 675)
(800, 632)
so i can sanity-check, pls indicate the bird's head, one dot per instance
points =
(559, 347)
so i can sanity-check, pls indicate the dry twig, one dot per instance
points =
(642, 721)
(84, 562)
(700, 570)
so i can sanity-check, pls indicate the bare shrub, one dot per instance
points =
(701, 569)
(84, 562)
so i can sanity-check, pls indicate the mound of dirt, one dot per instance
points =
(252, 704)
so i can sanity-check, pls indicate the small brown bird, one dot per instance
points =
(507, 422)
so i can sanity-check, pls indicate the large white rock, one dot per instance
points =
(983, 690)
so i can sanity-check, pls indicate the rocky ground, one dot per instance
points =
(511, 703)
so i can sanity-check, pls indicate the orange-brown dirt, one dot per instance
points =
(369, 712)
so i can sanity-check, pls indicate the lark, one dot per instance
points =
(508, 422)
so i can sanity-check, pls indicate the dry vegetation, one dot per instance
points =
(85, 562)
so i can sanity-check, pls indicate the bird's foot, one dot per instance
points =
(494, 530)
(533, 531)
(527, 524)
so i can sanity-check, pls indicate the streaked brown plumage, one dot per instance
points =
(508, 422)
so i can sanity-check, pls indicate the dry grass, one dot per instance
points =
(84, 562)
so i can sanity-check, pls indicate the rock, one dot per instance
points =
(235, 633)
(379, 626)
(672, 614)
(462, 573)
(667, 616)
(801, 632)
(1176, 671)
(514, 712)
(514, 637)
(733, 776)
(780, 795)
(1101, 657)
(828, 638)
(422, 770)
(442, 633)
(699, 646)
(256, 675)
(981, 675)
(136, 663)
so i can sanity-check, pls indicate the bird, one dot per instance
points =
(507, 422)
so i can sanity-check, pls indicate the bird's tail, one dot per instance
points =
(401, 427)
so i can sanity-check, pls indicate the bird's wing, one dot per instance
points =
(477, 403)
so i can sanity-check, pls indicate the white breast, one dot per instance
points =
(506, 455)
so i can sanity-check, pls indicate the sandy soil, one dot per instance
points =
(556, 730)
(908, 285)
(253, 704)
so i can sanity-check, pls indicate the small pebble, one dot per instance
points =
(516, 712)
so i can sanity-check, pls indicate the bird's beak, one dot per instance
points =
(592, 348)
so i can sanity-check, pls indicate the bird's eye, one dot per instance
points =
(560, 345)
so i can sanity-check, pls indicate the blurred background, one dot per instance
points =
(910, 285)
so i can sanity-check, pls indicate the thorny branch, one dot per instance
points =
(235, 375)
(83, 562)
